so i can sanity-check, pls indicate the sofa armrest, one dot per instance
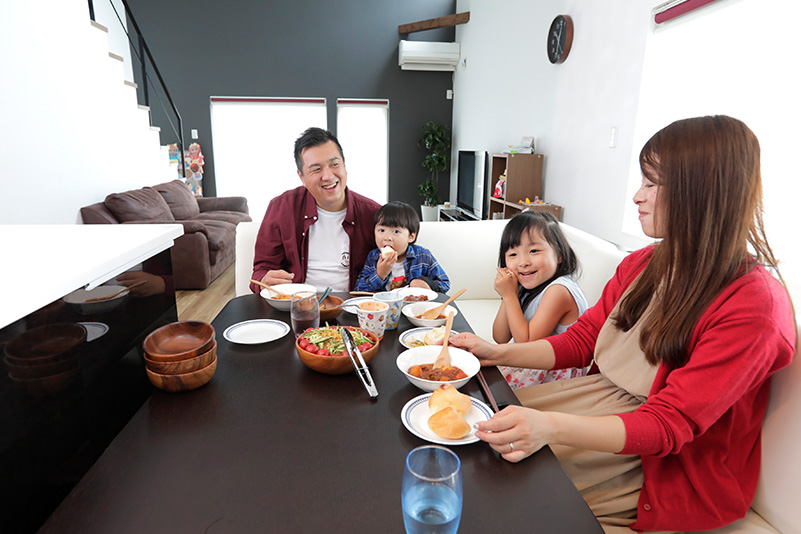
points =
(223, 204)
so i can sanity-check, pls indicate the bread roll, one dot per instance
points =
(434, 335)
(448, 424)
(447, 396)
(387, 251)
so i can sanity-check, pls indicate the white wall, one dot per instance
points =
(508, 89)
(71, 130)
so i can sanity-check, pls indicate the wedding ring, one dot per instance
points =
(509, 275)
(512, 446)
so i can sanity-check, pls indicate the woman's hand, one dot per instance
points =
(506, 283)
(487, 353)
(516, 432)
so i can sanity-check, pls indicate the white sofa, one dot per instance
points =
(468, 251)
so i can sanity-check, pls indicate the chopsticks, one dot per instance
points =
(368, 293)
(486, 390)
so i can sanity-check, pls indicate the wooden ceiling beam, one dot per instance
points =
(433, 24)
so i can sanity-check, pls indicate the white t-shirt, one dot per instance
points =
(329, 252)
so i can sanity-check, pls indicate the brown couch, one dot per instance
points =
(207, 247)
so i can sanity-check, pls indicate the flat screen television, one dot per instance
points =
(471, 181)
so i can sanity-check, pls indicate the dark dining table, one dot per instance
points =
(269, 445)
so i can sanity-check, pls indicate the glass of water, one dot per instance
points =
(431, 497)
(304, 312)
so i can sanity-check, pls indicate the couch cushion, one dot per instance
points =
(234, 217)
(144, 204)
(222, 237)
(182, 202)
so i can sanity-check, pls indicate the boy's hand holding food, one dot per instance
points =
(385, 262)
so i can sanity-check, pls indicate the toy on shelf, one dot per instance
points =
(528, 202)
(500, 186)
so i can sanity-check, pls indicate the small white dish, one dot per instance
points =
(288, 289)
(417, 291)
(428, 354)
(414, 337)
(256, 331)
(351, 305)
(94, 330)
(415, 415)
(413, 309)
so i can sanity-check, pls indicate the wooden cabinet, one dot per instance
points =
(523, 180)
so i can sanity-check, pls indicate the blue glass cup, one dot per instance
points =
(431, 497)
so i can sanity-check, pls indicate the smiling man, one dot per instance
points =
(318, 233)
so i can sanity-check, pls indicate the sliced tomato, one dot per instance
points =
(365, 347)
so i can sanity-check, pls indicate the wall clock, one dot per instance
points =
(560, 38)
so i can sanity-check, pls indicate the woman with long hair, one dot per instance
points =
(666, 435)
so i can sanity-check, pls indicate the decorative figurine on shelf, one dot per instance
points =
(500, 186)
(175, 160)
(194, 171)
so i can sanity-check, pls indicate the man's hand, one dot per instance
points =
(280, 276)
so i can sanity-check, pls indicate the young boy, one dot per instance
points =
(398, 262)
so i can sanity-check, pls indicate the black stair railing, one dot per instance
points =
(141, 52)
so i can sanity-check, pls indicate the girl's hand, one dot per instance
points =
(527, 431)
(506, 283)
(486, 352)
(384, 265)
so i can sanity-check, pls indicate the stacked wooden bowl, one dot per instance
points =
(44, 359)
(181, 356)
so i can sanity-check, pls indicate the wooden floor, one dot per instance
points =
(204, 305)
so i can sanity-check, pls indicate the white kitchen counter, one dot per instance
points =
(42, 263)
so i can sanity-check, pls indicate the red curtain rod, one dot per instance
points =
(267, 99)
(680, 9)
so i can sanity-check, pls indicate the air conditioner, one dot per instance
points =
(426, 55)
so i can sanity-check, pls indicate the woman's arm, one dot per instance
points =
(530, 430)
(535, 355)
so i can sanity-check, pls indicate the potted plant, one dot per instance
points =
(437, 141)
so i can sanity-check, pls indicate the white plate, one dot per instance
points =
(417, 291)
(256, 331)
(416, 413)
(416, 334)
(351, 304)
(94, 330)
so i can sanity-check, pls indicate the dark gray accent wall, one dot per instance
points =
(300, 48)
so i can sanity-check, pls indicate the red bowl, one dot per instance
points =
(336, 364)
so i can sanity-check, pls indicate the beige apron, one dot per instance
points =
(610, 483)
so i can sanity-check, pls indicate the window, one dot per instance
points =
(254, 140)
(363, 132)
(733, 58)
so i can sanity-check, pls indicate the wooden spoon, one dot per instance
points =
(265, 286)
(433, 313)
(443, 361)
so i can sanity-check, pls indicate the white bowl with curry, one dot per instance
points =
(417, 365)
